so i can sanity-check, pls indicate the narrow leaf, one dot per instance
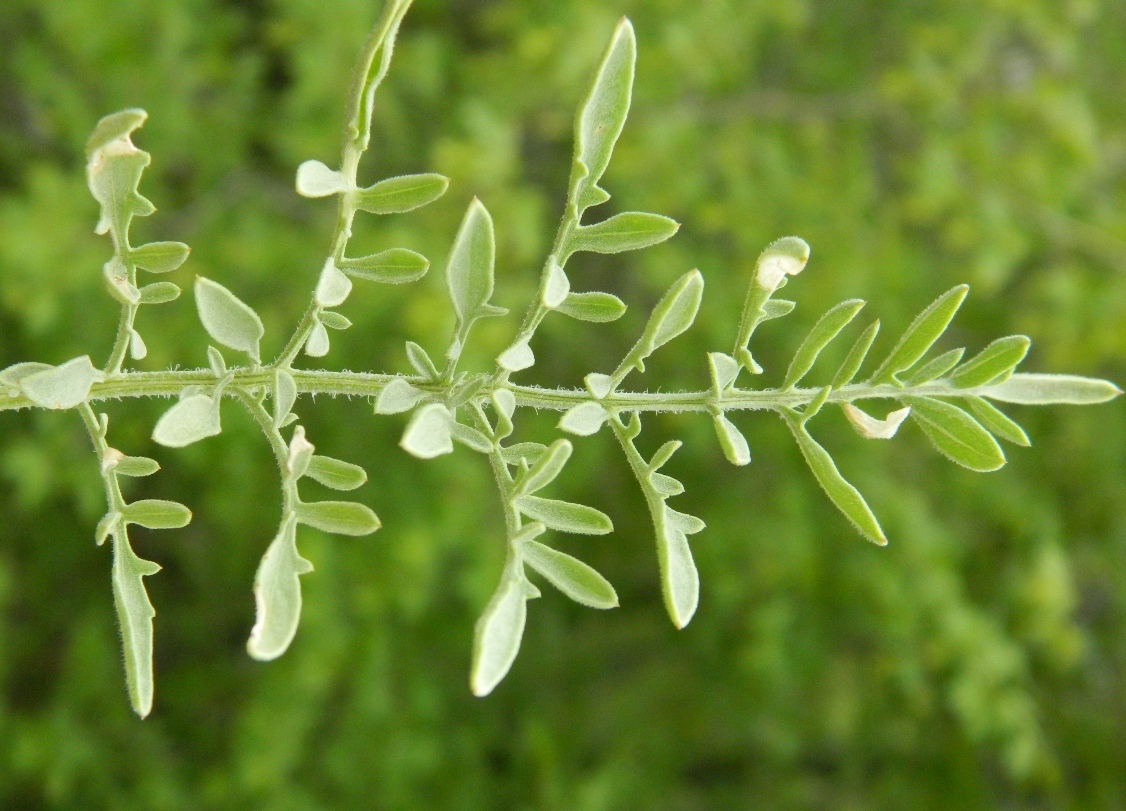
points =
(227, 319)
(1039, 389)
(545, 469)
(158, 293)
(400, 194)
(732, 441)
(136, 466)
(335, 473)
(724, 369)
(934, 369)
(470, 437)
(629, 231)
(565, 516)
(825, 330)
(496, 640)
(216, 362)
(190, 420)
(428, 432)
(997, 422)
(598, 308)
(285, 395)
(63, 386)
(846, 497)
(277, 595)
(666, 486)
(776, 308)
(154, 513)
(673, 315)
(421, 361)
(571, 576)
(957, 435)
(529, 452)
(855, 357)
(584, 419)
(394, 266)
(160, 257)
(338, 517)
(134, 617)
(469, 272)
(927, 328)
(1000, 357)
(680, 581)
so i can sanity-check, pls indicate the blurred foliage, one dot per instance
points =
(977, 662)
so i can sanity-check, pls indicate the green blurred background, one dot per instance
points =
(979, 661)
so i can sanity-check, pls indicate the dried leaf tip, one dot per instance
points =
(783, 257)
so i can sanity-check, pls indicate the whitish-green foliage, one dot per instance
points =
(949, 399)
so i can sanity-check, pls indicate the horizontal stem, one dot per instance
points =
(362, 384)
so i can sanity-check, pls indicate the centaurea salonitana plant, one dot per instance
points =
(951, 399)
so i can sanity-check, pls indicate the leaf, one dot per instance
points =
(664, 453)
(1000, 357)
(776, 308)
(333, 286)
(134, 618)
(154, 513)
(110, 523)
(871, 428)
(629, 231)
(338, 517)
(724, 369)
(227, 319)
(113, 171)
(400, 194)
(335, 473)
(190, 420)
(855, 357)
(317, 345)
(733, 442)
(571, 576)
(846, 497)
(673, 315)
(398, 396)
(421, 361)
(927, 328)
(665, 486)
(825, 330)
(496, 639)
(285, 395)
(469, 272)
(530, 452)
(63, 386)
(334, 320)
(997, 422)
(470, 437)
(277, 595)
(565, 516)
(428, 432)
(957, 435)
(599, 385)
(545, 469)
(517, 357)
(137, 348)
(557, 287)
(584, 419)
(13, 375)
(115, 127)
(394, 266)
(934, 369)
(158, 293)
(602, 117)
(160, 257)
(314, 179)
(216, 362)
(598, 308)
(1040, 389)
(136, 466)
(680, 581)
(299, 455)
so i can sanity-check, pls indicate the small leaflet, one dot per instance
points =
(497, 636)
(277, 595)
(577, 580)
(338, 517)
(732, 441)
(824, 331)
(917, 340)
(314, 179)
(545, 469)
(469, 272)
(317, 344)
(137, 348)
(680, 581)
(957, 435)
(190, 420)
(557, 287)
(394, 266)
(334, 473)
(299, 456)
(1000, 357)
(629, 231)
(470, 437)
(428, 432)
(564, 516)
(334, 320)
(935, 368)
(158, 293)
(673, 315)
(517, 357)
(160, 257)
(421, 361)
(597, 308)
(598, 384)
(397, 195)
(134, 616)
(155, 513)
(855, 357)
(333, 286)
(227, 319)
(63, 386)
(724, 369)
(285, 395)
(398, 396)
(997, 422)
(584, 419)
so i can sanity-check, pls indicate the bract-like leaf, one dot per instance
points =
(314, 179)
(571, 576)
(732, 441)
(334, 473)
(317, 344)
(338, 517)
(190, 420)
(470, 437)
(277, 595)
(957, 435)
(584, 419)
(673, 314)
(997, 422)
(598, 308)
(557, 287)
(927, 328)
(63, 386)
(602, 116)
(134, 617)
(399, 194)
(160, 257)
(1000, 357)
(137, 348)
(565, 516)
(227, 319)
(496, 640)
(1039, 389)
(528, 452)
(724, 369)
(394, 266)
(217, 363)
(155, 513)
(428, 432)
(871, 428)
(598, 384)
(825, 330)
(421, 361)
(629, 231)
(846, 497)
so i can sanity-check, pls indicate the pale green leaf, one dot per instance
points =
(277, 595)
(333, 286)
(598, 308)
(428, 433)
(724, 369)
(856, 355)
(517, 357)
(317, 344)
(227, 319)
(529, 452)
(398, 396)
(565, 516)
(598, 384)
(285, 395)
(496, 639)
(545, 469)
(63, 386)
(665, 486)
(314, 179)
(469, 272)
(997, 422)
(192, 419)
(154, 513)
(732, 441)
(584, 419)
(338, 517)
(825, 330)
(1000, 357)
(334, 473)
(14, 374)
(400, 194)
(935, 368)
(421, 361)
(110, 523)
(470, 437)
(680, 581)
(957, 435)
(571, 576)
(629, 231)
(776, 308)
(673, 315)
(115, 127)
(917, 340)
(216, 362)
(137, 348)
(557, 286)
(871, 428)
(158, 293)
(160, 257)
(134, 617)
(334, 320)
(394, 266)
(136, 466)
(1041, 389)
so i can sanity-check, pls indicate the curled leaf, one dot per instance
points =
(871, 428)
